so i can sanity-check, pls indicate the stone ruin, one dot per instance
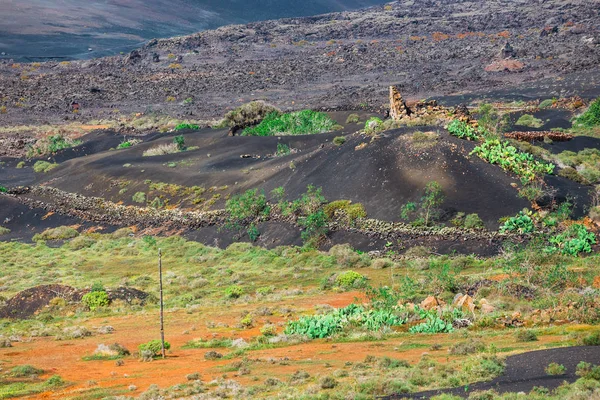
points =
(401, 110)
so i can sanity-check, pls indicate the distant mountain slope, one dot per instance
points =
(38, 28)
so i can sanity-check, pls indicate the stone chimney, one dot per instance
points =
(398, 109)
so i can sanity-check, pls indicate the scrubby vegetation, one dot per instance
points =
(462, 130)
(591, 117)
(51, 145)
(510, 159)
(44, 166)
(296, 123)
(248, 114)
(530, 121)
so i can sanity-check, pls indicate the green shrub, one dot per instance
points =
(428, 208)
(248, 114)
(179, 141)
(94, 300)
(374, 125)
(526, 335)
(247, 206)
(510, 159)
(583, 167)
(3, 189)
(593, 339)
(591, 117)
(339, 140)
(4, 231)
(521, 223)
(468, 347)
(576, 239)
(25, 371)
(181, 127)
(282, 150)
(125, 144)
(324, 325)
(303, 122)
(315, 226)
(154, 346)
(139, 197)
(555, 369)
(546, 103)
(353, 119)
(472, 221)
(21, 164)
(350, 211)
(433, 324)
(350, 279)
(58, 233)
(234, 291)
(530, 121)
(462, 130)
(51, 145)
(44, 166)
(55, 380)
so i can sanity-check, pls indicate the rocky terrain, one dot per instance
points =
(339, 60)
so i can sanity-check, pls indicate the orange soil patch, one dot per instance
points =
(65, 357)
(505, 65)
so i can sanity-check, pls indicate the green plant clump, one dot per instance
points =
(350, 279)
(353, 119)
(155, 346)
(339, 140)
(462, 130)
(44, 166)
(325, 325)
(576, 239)
(282, 150)
(510, 159)
(234, 291)
(591, 117)
(58, 233)
(521, 223)
(530, 121)
(181, 127)
(139, 197)
(96, 299)
(433, 324)
(303, 122)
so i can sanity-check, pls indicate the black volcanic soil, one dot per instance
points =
(525, 371)
(383, 176)
(336, 60)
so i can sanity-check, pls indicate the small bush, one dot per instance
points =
(546, 103)
(59, 233)
(472, 221)
(328, 383)
(591, 117)
(593, 339)
(530, 121)
(212, 355)
(374, 125)
(339, 140)
(55, 380)
(526, 335)
(181, 127)
(522, 223)
(44, 166)
(154, 346)
(468, 347)
(462, 130)
(282, 150)
(21, 164)
(94, 300)
(161, 150)
(25, 371)
(139, 197)
(248, 114)
(179, 141)
(4, 231)
(234, 291)
(353, 119)
(350, 279)
(296, 123)
(554, 369)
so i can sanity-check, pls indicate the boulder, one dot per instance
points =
(431, 302)
(465, 303)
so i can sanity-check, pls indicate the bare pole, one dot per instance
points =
(162, 321)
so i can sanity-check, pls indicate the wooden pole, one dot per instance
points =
(162, 323)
